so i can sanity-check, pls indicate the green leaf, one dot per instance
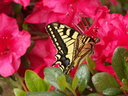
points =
(48, 85)
(1, 90)
(51, 74)
(68, 86)
(124, 88)
(25, 26)
(34, 82)
(30, 47)
(118, 61)
(46, 94)
(94, 94)
(125, 81)
(126, 66)
(25, 62)
(75, 83)
(91, 64)
(13, 77)
(16, 7)
(83, 75)
(62, 82)
(120, 95)
(103, 81)
(68, 78)
(19, 92)
(112, 91)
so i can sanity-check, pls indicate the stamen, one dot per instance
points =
(72, 10)
(67, 14)
(126, 27)
(78, 28)
(4, 37)
(71, 5)
(106, 22)
(85, 22)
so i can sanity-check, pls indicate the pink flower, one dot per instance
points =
(13, 44)
(64, 11)
(5, 7)
(41, 56)
(41, 14)
(77, 7)
(112, 30)
(24, 3)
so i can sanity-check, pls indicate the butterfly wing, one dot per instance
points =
(63, 38)
(83, 47)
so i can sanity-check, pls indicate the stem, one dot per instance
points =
(22, 83)
(39, 37)
(73, 92)
(69, 94)
(125, 92)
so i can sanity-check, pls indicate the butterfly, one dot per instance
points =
(72, 46)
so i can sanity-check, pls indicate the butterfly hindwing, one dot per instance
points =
(83, 47)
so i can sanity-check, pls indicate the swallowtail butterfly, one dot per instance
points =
(72, 46)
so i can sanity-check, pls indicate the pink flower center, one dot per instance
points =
(4, 46)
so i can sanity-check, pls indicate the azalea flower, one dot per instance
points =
(13, 44)
(63, 11)
(41, 14)
(5, 7)
(112, 30)
(69, 12)
(24, 3)
(41, 56)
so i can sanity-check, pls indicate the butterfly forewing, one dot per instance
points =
(63, 38)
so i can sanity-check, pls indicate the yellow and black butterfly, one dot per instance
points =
(72, 46)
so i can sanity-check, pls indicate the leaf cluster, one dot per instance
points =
(86, 80)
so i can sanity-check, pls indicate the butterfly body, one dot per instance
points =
(71, 45)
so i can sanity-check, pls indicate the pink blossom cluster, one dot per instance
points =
(13, 45)
(112, 29)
